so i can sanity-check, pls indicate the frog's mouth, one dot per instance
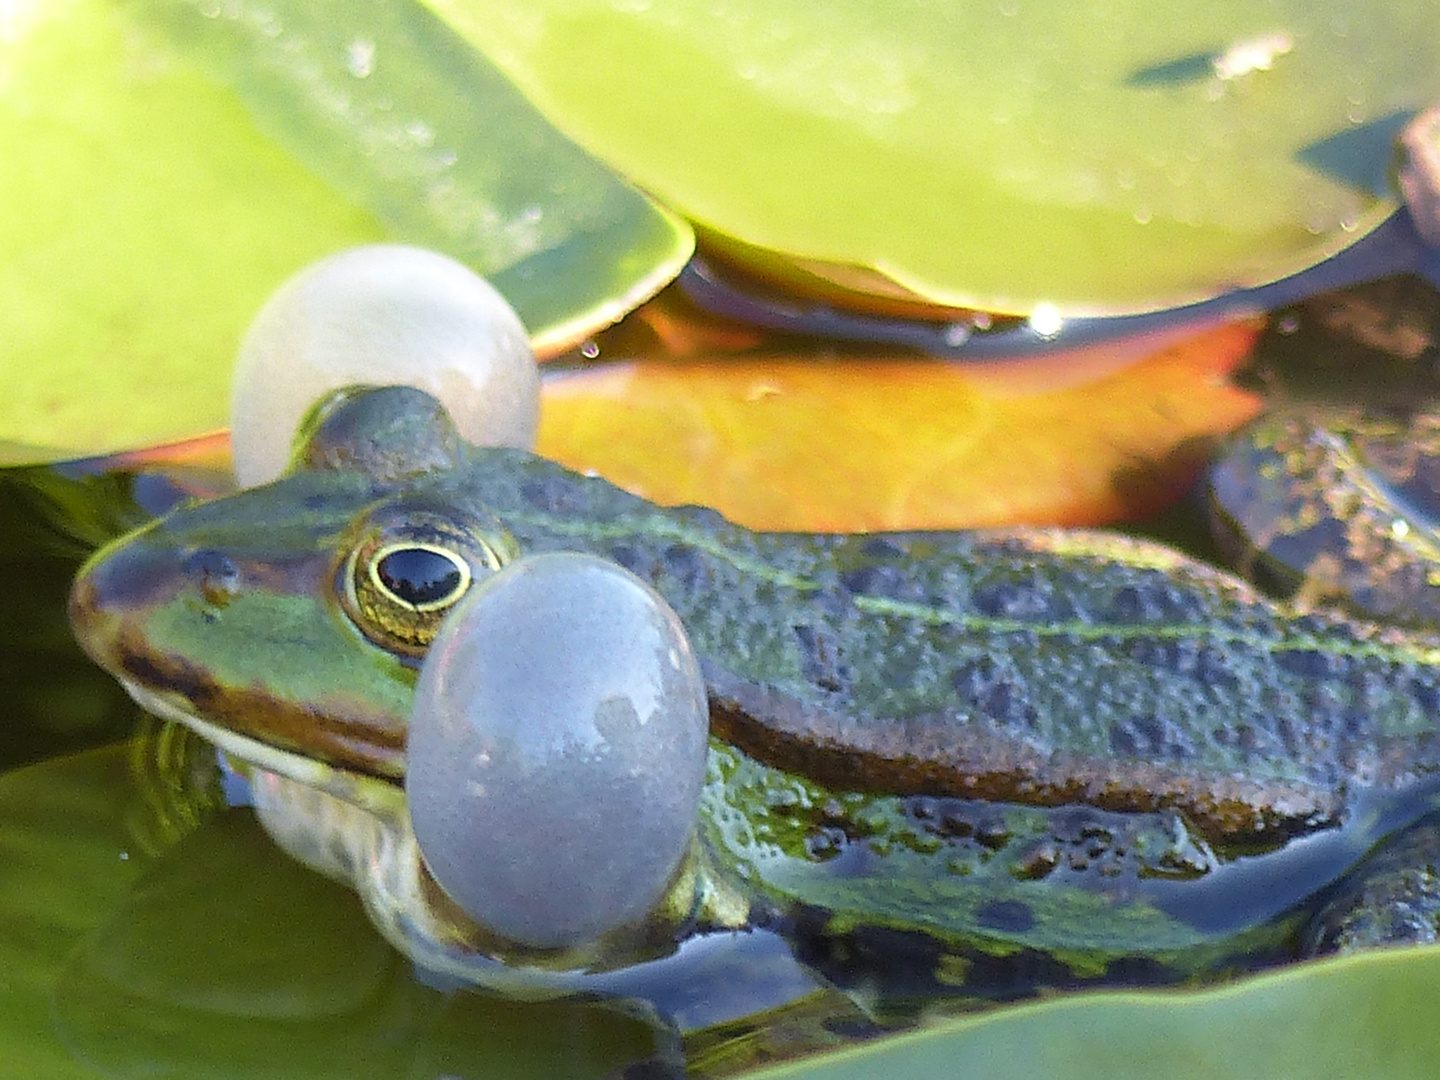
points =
(374, 793)
(335, 731)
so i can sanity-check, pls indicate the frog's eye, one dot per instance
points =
(420, 577)
(401, 582)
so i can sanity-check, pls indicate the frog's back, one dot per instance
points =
(1043, 667)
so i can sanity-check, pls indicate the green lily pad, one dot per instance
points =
(67, 853)
(1361, 1017)
(1108, 158)
(168, 164)
(212, 956)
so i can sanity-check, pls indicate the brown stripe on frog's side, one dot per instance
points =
(945, 755)
(1040, 665)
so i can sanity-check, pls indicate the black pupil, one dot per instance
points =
(418, 575)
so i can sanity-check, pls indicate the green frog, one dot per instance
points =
(960, 763)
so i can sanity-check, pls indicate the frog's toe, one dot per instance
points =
(1392, 898)
(1335, 508)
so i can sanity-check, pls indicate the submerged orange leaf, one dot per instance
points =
(209, 451)
(784, 441)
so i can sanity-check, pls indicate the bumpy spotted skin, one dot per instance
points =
(1039, 666)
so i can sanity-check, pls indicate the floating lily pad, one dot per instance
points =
(218, 957)
(1359, 1017)
(67, 854)
(168, 164)
(1105, 158)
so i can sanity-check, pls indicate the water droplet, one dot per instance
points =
(1251, 55)
(761, 390)
(1143, 214)
(360, 58)
(1045, 320)
(1318, 220)
(590, 350)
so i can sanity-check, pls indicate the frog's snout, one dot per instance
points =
(114, 589)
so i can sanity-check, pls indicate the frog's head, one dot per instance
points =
(296, 613)
(288, 622)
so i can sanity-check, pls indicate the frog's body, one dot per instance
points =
(1078, 748)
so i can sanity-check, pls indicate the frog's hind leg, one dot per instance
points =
(1391, 898)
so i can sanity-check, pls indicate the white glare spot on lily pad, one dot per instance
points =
(360, 58)
(1256, 54)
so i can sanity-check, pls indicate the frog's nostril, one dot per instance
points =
(214, 573)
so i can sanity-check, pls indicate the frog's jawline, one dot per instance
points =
(375, 793)
(358, 747)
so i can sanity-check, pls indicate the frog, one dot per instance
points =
(965, 764)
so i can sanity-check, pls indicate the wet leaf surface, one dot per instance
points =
(1361, 1017)
(806, 439)
(1103, 158)
(165, 171)
(208, 953)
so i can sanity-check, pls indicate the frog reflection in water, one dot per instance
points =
(971, 763)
